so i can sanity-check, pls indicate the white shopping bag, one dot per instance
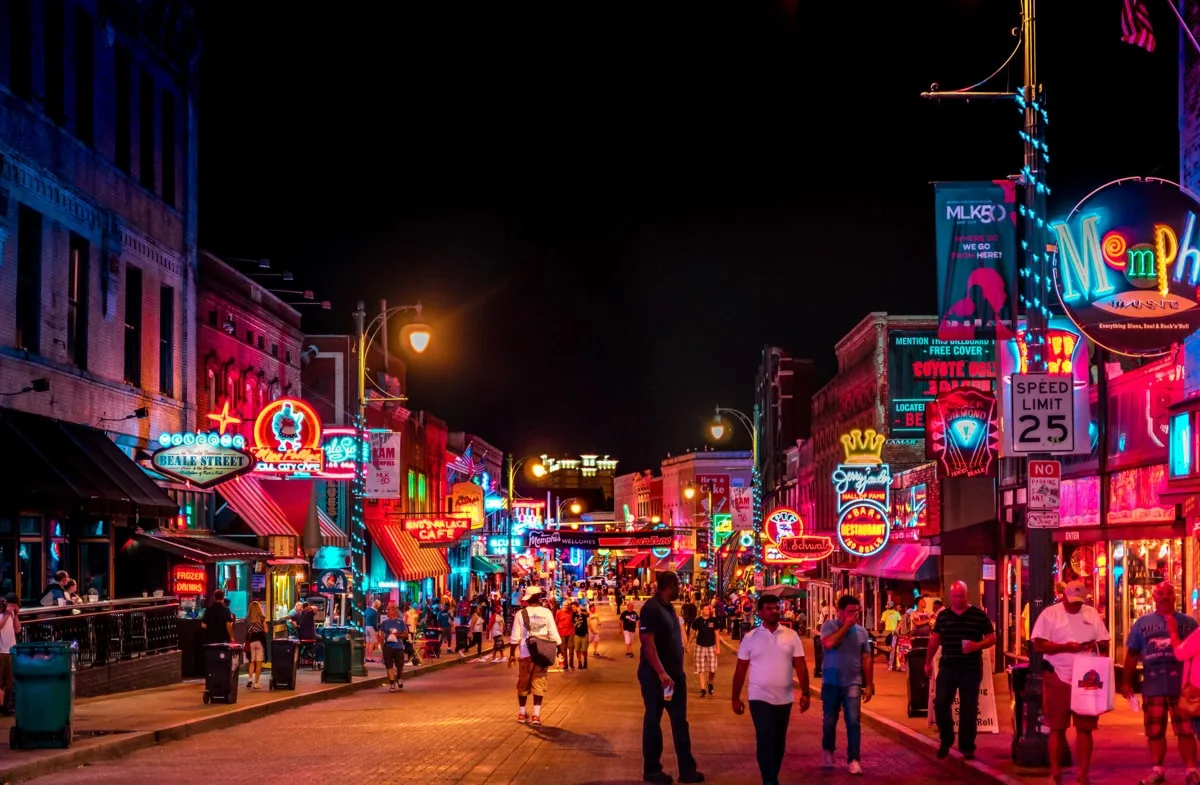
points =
(1092, 692)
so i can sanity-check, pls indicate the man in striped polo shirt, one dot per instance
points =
(961, 632)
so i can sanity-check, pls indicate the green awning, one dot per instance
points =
(480, 564)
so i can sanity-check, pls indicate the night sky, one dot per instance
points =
(609, 208)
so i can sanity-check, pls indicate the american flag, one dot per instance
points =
(1135, 25)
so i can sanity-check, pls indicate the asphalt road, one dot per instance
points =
(459, 726)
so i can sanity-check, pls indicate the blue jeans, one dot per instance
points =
(835, 699)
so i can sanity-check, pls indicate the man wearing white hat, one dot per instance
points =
(535, 635)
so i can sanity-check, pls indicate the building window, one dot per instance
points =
(275, 350)
(77, 301)
(168, 148)
(55, 33)
(133, 326)
(260, 343)
(412, 490)
(85, 54)
(212, 318)
(166, 341)
(29, 279)
(288, 359)
(422, 494)
(146, 131)
(124, 100)
(249, 336)
(20, 48)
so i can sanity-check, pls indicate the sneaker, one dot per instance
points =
(392, 687)
(1157, 777)
(536, 720)
(695, 776)
(826, 759)
(399, 684)
(249, 685)
(521, 717)
(711, 689)
(943, 751)
(855, 767)
(703, 692)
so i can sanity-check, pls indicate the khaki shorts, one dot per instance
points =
(1056, 706)
(530, 678)
(581, 643)
(257, 650)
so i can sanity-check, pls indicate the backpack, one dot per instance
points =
(542, 650)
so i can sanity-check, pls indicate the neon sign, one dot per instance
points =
(287, 439)
(788, 544)
(910, 513)
(436, 531)
(341, 446)
(188, 580)
(864, 489)
(1129, 265)
(202, 459)
(962, 432)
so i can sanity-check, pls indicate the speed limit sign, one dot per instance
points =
(1043, 413)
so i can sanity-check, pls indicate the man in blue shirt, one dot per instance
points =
(848, 680)
(393, 632)
(1162, 683)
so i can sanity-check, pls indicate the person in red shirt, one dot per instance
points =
(566, 629)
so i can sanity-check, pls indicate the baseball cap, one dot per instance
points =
(1075, 592)
(531, 592)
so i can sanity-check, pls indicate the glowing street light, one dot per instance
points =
(418, 336)
(576, 508)
(717, 430)
(689, 492)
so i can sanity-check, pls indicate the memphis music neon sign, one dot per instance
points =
(863, 485)
(1129, 265)
(287, 440)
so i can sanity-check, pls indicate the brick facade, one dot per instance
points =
(64, 167)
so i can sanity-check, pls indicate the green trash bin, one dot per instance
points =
(44, 681)
(336, 643)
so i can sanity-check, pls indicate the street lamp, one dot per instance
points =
(718, 430)
(418, 336)
(538, 470)
(574, 506)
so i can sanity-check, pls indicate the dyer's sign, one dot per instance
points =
(1129, 265)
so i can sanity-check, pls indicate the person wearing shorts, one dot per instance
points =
(1063, 631)
(594, 633)
(532, 622)
(394, 631)
(629, 625)
(371, 629)
(256, 643)
(580, 619)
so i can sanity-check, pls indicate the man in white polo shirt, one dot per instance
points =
(771, 654)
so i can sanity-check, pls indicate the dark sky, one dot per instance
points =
(609, 208)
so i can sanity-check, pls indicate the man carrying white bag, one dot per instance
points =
(1068, 633)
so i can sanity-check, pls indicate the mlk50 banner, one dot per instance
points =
(381, 478)
(976, 259)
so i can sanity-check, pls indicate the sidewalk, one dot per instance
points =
(115, 725)
(1120, 754)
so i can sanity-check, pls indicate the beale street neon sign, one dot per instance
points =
(864, 489)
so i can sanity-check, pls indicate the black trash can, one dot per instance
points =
(285, 653)
(462, 637)
(736, 633)
(917, 684)
(221, 664)
(336, 646)
(818, 655)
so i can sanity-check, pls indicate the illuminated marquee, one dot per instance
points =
(188, 580)
(1129, 265)
(863, 485)
(202, 459)
(963, 433)
(287, 439)
(787, 542)
(341, 445)
(437, 531)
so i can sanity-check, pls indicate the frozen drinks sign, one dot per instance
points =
(1129, 265)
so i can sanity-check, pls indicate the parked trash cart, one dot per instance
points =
(44, 680)
(285, 656)
(221, 664)
(337, 654)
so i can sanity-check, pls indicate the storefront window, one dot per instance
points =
(283, 595)
(234, 578)
(1137, 566)
(1017, 589)
(1088, 563)
(93, 568)
(29, 565)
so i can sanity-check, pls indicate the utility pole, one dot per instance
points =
(1030, 748)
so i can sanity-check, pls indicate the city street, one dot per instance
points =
(459, 726)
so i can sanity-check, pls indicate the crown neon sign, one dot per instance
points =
(863, 484)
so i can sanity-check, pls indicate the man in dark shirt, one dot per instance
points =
(663, 685)
(579, 619)
(629, 627)
(961, 632)
(217, 622)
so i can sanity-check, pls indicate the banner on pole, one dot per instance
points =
(977, 261)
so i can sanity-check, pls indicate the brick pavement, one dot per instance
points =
(459, 726)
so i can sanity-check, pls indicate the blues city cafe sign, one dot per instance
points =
(592, 541)
(287, 440)
(1128, 266)
(962, 433)
(863, 485)
(788, 544)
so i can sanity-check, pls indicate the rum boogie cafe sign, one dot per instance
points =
(202, 459)
(592, 541)
(1129, 265)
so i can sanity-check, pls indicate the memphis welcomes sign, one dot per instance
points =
(1129, 265)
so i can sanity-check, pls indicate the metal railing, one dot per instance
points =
(107, 632)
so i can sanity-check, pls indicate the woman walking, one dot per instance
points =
(256, 643)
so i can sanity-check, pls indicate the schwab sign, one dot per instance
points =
(1129, 265)
(592, 541)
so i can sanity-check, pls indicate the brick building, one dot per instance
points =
(97, 265)
(784, 388)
